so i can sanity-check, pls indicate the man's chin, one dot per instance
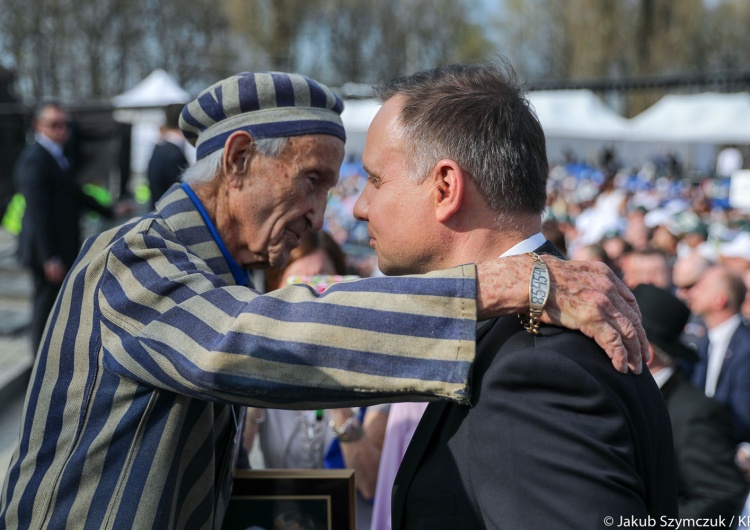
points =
(390, 269)
(278, 258)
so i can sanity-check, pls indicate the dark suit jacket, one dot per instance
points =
(54, 203)
(164, 169)
(555, 438)
(709, 483)
(733, 386)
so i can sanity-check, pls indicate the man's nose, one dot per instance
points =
(317, 213)
(361, 206)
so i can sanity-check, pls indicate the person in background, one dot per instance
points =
(663, 239)
(728, 161)
(647, 266)
(723, 370)
(709, 483)
(637, 233)
(168, 159)
(552, 231)
(686, 272)
(592, 252)
(616, 247)
(403, 420)
(735, 254)
(50, 235)
(331, 438)
(694, 240)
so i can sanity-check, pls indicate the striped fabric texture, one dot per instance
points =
(132, 418)
(266, 104)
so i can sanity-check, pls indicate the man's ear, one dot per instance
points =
(651, 360)
(238, 152)
(448, 188)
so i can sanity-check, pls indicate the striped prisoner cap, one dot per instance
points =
(265, 104)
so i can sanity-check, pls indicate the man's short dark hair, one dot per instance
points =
(46, 104)
(172, 115)
(735, 289)
(477, 116)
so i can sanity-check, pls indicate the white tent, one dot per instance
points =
(156, 90)
(577, 121)
(578, 114)
(357, 115)
(708, 118)
(142, 106)
(693, 126)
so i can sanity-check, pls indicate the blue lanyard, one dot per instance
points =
(241, 276)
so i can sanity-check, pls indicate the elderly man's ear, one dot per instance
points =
(238, 153)
(448, 188)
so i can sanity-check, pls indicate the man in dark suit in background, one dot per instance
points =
(723, 371)
(554, 438)
(50, 232)
(709, 483)
(168, 158)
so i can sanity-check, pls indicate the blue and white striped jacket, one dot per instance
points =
(131, 419)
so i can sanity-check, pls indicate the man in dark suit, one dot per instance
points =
(709, 483)
(50, 232)
(554, 438)
(723, 371)
(168, 160)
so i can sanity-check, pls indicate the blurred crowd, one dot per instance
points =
(642, 224)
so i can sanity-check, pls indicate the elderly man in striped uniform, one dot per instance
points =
(157, 339)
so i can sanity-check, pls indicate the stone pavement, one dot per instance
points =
(15, 345)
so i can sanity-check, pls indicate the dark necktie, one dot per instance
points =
(64, 164)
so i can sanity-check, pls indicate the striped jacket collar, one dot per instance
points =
(185, 221)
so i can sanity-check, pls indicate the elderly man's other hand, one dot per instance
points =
(54, 270)
(586, 296)
(123, 209)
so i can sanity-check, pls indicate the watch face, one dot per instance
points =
(539, 287)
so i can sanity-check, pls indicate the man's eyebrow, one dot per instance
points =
(370, 174)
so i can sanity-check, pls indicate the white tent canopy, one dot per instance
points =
(156, 90)
(570, 118)
(143, 107)
(577, 114)
(577, 122)
(357, 115)
(708, 118)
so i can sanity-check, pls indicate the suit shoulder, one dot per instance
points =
(743, 332)
(556, 348)
(566, 361)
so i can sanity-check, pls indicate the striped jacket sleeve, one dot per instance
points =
(169, 321)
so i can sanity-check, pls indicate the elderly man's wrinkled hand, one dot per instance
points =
(589, 297)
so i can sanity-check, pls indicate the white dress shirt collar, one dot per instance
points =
(54, 148)
(663, 375)
(527, 245)
(719, 337)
